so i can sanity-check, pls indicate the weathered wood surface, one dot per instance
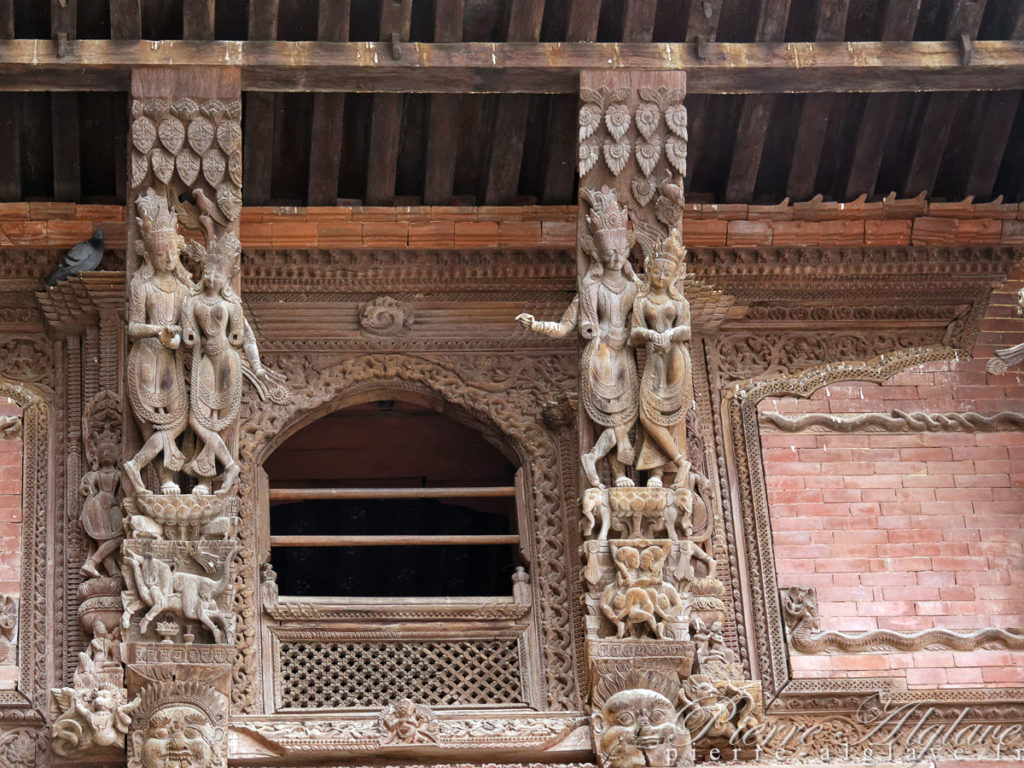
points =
(524, 67)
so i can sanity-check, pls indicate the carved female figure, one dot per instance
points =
(600, 312)
(213, 327)
(101, 513)
(661, 322)
(155, 370)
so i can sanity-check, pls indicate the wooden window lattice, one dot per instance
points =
(356, 675)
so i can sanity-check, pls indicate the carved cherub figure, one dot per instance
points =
(661, 323)
(155, 368)
(600, 312)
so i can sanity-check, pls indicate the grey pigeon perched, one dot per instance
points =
(84, 257)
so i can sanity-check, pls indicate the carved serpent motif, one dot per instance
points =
(800, 609)
(898, 420)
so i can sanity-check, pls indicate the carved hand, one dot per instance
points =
(527, 321)
(170, 336)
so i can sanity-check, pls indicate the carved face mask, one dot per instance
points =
(637, 729)
(178, 737)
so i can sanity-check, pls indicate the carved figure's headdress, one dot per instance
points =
(102, 422)
(606, 215)
(670, 249)
(196, 694)
(221, 253)
(657, 680)
(154, 215)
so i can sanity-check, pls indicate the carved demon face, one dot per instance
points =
(637, 729)
(178, 737)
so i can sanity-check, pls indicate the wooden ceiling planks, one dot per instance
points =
(443, 115)
(258, 125)
(700, 27)
(386, 117)
(752, 129)
(324, 167)
(816, 108)
(638, 21)
(125, 19)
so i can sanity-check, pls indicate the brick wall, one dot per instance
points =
(10, 526)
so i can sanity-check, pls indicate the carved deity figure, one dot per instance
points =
(406, 722)
(103, 652)
(639, 596)
(213, 327)
(637, 729)
(90, 718)
(178, 736)
(601, 314)
(101, 513)
(155, 367)
(661, 323)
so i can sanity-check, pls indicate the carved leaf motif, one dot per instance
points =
(587, 156)
(675, 151)
(229, 135)
(154, 108)
(186, 109)
(235, 168)
(213, 108)
(140, 167)
(619, 94)
(143, 134)
(163, 165)
(172, 134)
(229, 199)
(675, 118)
(200, 135)
(188, 163)
(647, 154)
(667, 212)
(214, 165)
(233, 109)
(643, 189)
(617, 118)
(590, 119)
(616, 155)
(136, 108)
(647, 118)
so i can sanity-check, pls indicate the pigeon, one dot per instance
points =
(84, 257)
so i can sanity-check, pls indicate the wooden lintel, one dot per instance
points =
(33, 65)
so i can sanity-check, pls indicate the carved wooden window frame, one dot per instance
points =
(767, 636)
(515, 409)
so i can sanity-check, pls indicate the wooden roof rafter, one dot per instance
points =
(741, 68)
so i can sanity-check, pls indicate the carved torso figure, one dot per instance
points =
(601, 312)
(661, 323)
(155, 369)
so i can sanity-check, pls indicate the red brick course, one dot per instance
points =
(10, 524)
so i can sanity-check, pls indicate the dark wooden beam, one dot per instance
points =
(848, 67)
(830, 25)
(583, 16)
(67, 166)
(10, 147)
(197, 19)
(443, 115)
(755, 112)
(6, 19)
(701, 28)
(328, 114)
(125, 19)
(897, 24)
(505, 158)
(386, 112)
(942, 108)
(263, 19)
(64, 19)
(638, 20)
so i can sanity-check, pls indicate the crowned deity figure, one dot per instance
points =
(601, 314)
(155, 368)
(661, 323)
(213, 327)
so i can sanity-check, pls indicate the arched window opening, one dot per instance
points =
(393, 498)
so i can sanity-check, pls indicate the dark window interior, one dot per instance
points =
(393, 444)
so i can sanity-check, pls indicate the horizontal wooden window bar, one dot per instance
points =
(385, 541)
(311, 494)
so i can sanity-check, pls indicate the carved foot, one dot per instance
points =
(202, 489)
(88, 569)
(170, 488)
(623, 482)
(589, 462)
(132, 471)
(654, 481)
(230, 478)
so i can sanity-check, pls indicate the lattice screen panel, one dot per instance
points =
(341, 675)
